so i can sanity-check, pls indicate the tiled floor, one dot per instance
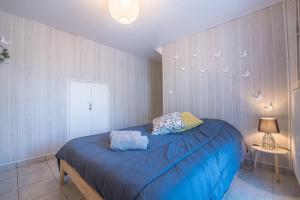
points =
(40, 181)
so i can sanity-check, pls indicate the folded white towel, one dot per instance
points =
(124, 142)
(135, 133)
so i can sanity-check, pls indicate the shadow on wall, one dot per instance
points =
(156, 90)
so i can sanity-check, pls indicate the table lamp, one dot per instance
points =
(268, 126)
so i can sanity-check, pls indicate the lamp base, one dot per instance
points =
(268, 141)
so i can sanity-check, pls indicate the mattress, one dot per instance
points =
(196, 164)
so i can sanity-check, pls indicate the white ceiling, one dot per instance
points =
(160, 21)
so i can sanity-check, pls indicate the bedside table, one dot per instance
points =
(275, 152)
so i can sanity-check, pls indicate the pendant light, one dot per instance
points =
(124, 11)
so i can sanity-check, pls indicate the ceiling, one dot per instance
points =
(160, 21)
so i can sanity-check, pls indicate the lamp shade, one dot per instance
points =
(124, 11)
(268, 125)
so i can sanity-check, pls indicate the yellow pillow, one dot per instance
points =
(189, 121)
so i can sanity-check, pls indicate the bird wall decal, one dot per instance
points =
(202, 70)
(244, 54)
(258, 97)
(4, 41)
(247, 74)
(226, 69)
(218, 54)
(182, 68)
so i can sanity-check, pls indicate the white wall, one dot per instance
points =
(33, 86)
(228, 96)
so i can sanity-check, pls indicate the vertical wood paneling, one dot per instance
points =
(282, 90)
(16, 68)
(236, 82)
(5, 26)
(33, 86)
(229, 96)
(245, 83)
(294, 84)
(256, 54)
(26, 147)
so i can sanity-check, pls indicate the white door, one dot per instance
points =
(100, 108)
(80, 115)
(88, 109)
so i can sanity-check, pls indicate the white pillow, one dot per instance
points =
(169, 123)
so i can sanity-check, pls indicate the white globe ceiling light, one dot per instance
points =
(124, 11)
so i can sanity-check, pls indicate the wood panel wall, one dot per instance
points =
(229, 96)
(291, 7)
(33, 86)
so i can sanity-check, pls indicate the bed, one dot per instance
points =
(196, 164)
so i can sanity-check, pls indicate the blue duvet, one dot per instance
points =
(195, 164)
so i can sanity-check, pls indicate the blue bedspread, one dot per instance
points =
(196, 164)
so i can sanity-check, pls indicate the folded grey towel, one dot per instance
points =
(136, 133)
(124, 142)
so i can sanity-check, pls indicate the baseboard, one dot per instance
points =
(26, 162)
(248, 165)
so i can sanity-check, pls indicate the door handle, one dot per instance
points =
(90, 106)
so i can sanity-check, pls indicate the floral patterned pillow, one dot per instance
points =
(169, 123)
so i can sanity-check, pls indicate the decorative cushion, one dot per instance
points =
(189, 121)
(169, 123)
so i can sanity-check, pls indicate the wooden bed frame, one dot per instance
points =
(88, 192)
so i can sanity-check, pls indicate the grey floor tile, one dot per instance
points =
(9, 196)
(56, 174)
(57, 195)
(50, 157)
(39, 189)
(40, 181)
(30, 162)
(30, 169)
(227, 193)
(8, 185)
(54, 170)
(52, 163)
(30, 178)
(71, 191)
(287, 189)
(249, 186)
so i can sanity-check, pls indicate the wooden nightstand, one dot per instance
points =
(275, 152)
